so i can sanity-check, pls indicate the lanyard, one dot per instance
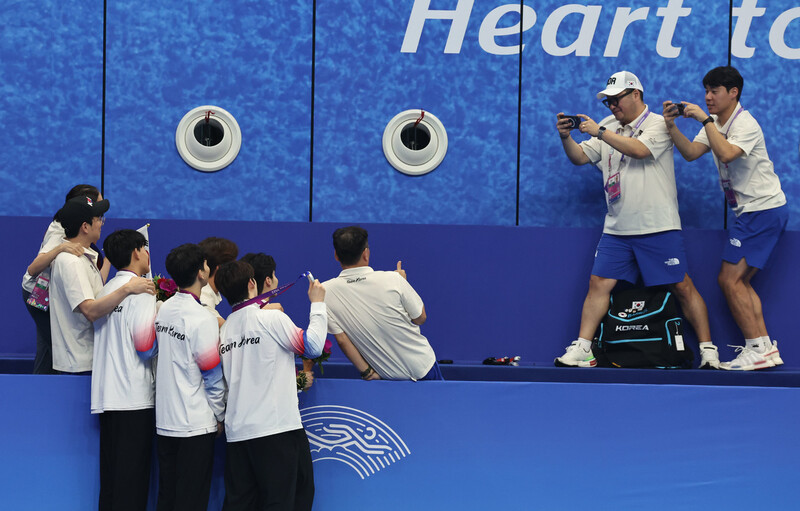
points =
(632, 135)
(730, 124)
(264, 298)
(192, 294)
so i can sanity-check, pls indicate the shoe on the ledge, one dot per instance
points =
(749, 359)
(709, 356)
(577, 355)
(773, 354)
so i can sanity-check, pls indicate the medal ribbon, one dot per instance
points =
(262, 299)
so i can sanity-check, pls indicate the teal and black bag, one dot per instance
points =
(643, 328)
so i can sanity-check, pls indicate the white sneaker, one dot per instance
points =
(773, 354)
(749, 360)
(709, 356)
(577, 356)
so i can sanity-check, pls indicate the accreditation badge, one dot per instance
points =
(730, 195)
(613, 188)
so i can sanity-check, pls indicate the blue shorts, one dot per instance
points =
(753, 236)
(660, 258)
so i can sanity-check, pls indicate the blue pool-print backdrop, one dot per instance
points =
(255, 60)
(669, 69)
(363, 80)
(252, 59)
(771, 91)
(51, 84)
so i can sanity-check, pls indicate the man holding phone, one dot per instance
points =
(752, 190)
(641, 235)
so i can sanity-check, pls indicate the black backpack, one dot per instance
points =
(643, 328)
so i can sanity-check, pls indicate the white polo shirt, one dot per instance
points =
(188, 340)
(752, 175)
(257, 350)
(120, 379)
(53, 237)
(375, 309)
(74, 279)
(649, 198)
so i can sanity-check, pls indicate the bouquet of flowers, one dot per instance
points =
(164, 287)
(302, 381)
(326, 354)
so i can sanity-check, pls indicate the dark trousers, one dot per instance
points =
(184, 465)
(43, 363)
(126, 445)
(270, 473)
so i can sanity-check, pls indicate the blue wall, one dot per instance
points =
(467, 445)
(488, 290)
(257, 59)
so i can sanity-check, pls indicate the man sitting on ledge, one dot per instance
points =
(375, 315)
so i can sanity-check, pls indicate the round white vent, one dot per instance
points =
(414, 142)
(208, 138)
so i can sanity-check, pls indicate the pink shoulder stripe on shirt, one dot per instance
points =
(144, 338)
(298, 342)
(208, 360)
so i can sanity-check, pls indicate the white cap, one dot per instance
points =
(619, 82)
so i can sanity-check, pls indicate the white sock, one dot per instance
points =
(585, 343)
(766, 342)
(754, 343)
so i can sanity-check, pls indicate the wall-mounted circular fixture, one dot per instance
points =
(414, 142)
(208, 138)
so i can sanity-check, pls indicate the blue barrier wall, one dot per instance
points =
(462, 445)
(488, 290)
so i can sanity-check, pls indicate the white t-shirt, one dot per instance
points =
(375, 309)
(74, 279)
(120, 379)
(188, 340)
(752, 175)
(53, 237)
(648, 201)
(257, 350)
(210, 300)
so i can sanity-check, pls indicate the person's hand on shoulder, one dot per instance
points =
(139, 285)
(70, 247)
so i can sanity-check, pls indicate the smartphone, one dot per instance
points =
(575, 121)
(681, 108)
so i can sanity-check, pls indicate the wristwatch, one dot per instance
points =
(600, 132)
(708, 120)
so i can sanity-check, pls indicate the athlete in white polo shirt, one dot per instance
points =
(75, 283)
(641, 235)
(375, 315)
(190, 390)
(268, 464)
(123, 387)
(753, 192)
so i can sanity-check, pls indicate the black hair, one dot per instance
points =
(232, 280)
(263, 266)
(724, 76)
(218, 251)
(119, 246)
(349, 243)
(183, 263)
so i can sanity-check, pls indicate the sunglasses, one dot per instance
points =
(614, 100)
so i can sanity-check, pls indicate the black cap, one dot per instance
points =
(78, 210)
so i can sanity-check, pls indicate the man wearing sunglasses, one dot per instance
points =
(641, 235)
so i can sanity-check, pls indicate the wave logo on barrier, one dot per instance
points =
(353, 437)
